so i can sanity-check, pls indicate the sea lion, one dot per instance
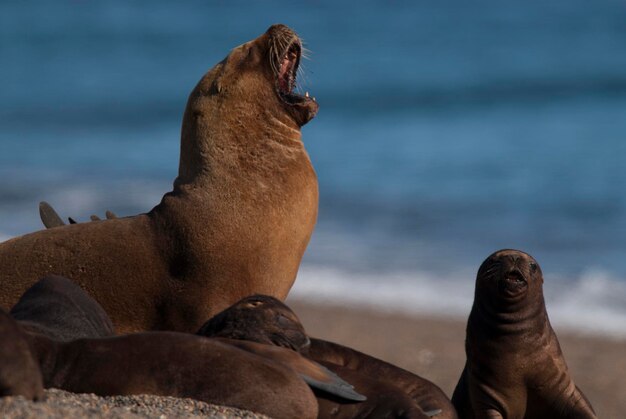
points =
(247, 375)
(515, 367)
(259, 318)
(237, 222)
(19, 371)
(389, 389)
(59, 309)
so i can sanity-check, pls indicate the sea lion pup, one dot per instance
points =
(266, 320)
(248, 375)
(514, 368)
(237, 222)
(259, 318)
(59, 309)
(19, 371)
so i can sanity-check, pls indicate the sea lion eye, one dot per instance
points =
(533, 267)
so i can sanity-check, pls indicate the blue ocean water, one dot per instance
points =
(447, 130)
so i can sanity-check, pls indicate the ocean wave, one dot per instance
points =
(592, 304)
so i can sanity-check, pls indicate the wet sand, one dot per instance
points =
(433, 348)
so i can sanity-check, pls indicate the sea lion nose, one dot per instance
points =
(513, 261)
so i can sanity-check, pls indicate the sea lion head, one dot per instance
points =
(509, 276)
(259, 318)
(260, 77)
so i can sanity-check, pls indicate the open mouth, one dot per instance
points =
(287, 69)
(512, 282)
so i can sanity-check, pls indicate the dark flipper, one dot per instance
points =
(49, 216)
(71, 220)
(332, 384)
(315, 375)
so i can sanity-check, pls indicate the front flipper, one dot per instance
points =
(49, 216)
(314, 374)
(428, 396)
(578, 406)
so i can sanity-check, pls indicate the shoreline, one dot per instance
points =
(433, 347)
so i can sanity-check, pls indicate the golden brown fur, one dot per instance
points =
(237, 222)
(515, 368)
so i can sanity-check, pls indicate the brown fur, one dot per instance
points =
(425, 394)
(19, 371)
(515, 368)
(384, 400)
(259, 318)
(177, 365)
(390, 390)
(238, 221)
(59, 309)
(70, 337)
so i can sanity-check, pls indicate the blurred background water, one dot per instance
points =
(447, 130)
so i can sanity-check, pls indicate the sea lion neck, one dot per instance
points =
(219, 138)
(244, 115)
(519, 318)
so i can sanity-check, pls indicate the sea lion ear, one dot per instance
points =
(216, 87)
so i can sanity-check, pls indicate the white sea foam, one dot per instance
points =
(593, 304)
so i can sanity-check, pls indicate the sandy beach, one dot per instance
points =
(433, 348)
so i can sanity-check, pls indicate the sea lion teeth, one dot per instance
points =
(512, 351)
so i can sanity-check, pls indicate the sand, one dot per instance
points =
(433, 348)
(61, 404)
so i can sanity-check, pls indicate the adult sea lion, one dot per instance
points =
(390, 391)
(247, 375)
(237, 222)
(515, 367)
